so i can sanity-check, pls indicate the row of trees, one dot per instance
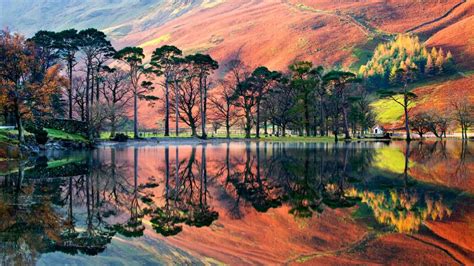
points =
(101, 82)
(307, 99)
(102, 86)
(438, 123)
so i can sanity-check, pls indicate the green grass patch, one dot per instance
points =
(298, 139)
(388, 111)
(62, 162)
(391, 160)
(61, 135)
(9, 136)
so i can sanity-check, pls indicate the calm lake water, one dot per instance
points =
(242, 203)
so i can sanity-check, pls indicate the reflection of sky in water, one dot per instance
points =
(243, 199)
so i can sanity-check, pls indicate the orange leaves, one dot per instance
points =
(24, 84)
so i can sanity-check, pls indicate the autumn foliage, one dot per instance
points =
(405, 51)
(27, 84)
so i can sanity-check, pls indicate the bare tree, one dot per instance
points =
(281, 105)
(222, 103)
(117, 96)
(437, 123)
(188, 102)
(79, 97)
(463, 113)
(420, 124)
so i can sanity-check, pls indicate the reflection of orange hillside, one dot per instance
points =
(439, 163)
(458, 230)
(276, 237)
(272, 237)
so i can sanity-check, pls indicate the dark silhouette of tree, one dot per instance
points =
(94, 45)
(262, 80)
(223, 105)
(301, 80)
(281, 105)
(464, 114)
(67, 42)
(133, 58)
(203, 66)
(117, 95)
(188, 101)
(403, 77)
(340, 80)
(420, 123)
(165, 61)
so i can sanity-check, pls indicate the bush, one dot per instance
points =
(120, 137)
(41, 136)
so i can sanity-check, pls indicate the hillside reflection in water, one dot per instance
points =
(247, 202)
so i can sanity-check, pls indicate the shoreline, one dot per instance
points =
(197, 141)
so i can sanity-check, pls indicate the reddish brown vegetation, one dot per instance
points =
(458, 38)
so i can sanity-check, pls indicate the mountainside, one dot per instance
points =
(326, 32)
(273, 33)
(116, 17)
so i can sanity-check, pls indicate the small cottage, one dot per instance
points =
(378, 130)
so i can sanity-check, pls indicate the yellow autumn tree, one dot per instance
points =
(24, 93)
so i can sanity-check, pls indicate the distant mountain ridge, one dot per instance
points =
(116, 17)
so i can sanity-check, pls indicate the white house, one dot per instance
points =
(378, 130)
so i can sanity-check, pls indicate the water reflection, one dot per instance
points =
(77, 203)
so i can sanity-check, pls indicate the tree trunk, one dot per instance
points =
(257, 126)
(70, 87)
(193, 129)
(203, 107)
(97, 85)
(19, 123)
(176, 105)
(87, 93)
(321, 116)
(283, 129)
(112, 126)
(407, 127)
(167, 108)
(405, 108)
(306, 116)
(248, 124)
(265, 130)
(346, 123)
(92, 86)
(135, 114)
(227, 123)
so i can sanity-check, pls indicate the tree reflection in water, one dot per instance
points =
(77, 205)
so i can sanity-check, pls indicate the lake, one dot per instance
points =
(242, 203)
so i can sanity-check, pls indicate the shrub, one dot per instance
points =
(41, 136)
(120, 137)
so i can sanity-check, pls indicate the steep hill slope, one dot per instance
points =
(261, 32)
(435, 96)
(458, 38)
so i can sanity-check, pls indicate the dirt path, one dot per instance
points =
(438, 18)
(364, 27)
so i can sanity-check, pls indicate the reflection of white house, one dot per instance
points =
(378, 130)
